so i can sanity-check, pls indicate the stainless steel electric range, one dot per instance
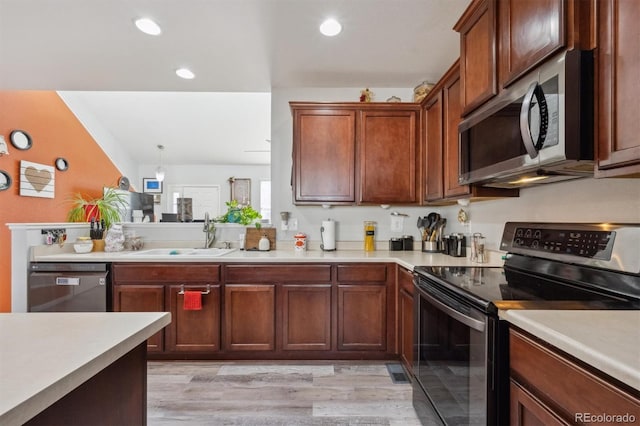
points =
(461, 346)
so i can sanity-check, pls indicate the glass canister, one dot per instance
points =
(369, 235)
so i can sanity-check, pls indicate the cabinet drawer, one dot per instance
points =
(174, 273)
(366, 273)
(565, 386)
(278, 273)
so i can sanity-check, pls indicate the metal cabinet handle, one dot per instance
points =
(207, 291)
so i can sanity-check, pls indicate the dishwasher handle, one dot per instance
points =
(68, 281)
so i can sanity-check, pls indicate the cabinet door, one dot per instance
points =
(388, 157)
(451, 115)
(525, 410)
(324, 145)
(362, 317)
(194, 330)
(306, 317)
(618, 59)
(141, 298)
(433, 152)
(405, 317)
(478, 70)
(249, 315)
(530, 32)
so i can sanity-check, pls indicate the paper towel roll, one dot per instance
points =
(328, 234)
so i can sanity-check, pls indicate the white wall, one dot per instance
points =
(103, 137)
(574, 201)
(206, 175)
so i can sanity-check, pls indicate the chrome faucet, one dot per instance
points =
(209, 230)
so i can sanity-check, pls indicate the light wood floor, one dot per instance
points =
(277, 393)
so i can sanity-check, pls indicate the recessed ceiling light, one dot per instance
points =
(330, 27)
(148, 26)
(185, 73)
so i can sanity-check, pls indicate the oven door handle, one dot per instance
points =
(453, 313)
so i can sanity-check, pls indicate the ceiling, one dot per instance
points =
(232, 46)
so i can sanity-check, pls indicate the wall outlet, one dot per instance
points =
(397, 223)
(293, 224)
(284, 226)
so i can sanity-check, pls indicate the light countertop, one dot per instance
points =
(44, 356)
(407, 259)
(606, 340)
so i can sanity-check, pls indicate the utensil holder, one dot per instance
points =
(98, 245)
(431, 246)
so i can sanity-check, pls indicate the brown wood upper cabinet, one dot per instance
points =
(388, 154)
(530, 31)
(442, 152)
(355, 153)
(618, 59)
(324, 153)
(478, 47)
(502, 40)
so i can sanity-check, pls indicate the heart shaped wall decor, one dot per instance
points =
(39, 179)
(36, 180)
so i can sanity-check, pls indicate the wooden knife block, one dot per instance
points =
(253, 236)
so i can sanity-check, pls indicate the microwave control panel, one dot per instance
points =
(591, 244)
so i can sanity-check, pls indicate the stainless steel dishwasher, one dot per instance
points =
(68, 287)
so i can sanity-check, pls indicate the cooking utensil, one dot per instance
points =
(433, 219)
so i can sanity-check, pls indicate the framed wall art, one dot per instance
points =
(36, 180)
(240, 190)
(151, 186)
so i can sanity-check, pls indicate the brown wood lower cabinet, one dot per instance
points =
(362, 317)
(249, 317)
(365, 298)
(405, 317)
(549, 387)
(194, 330)
(141, 298)
(269, 311)
(306, 317)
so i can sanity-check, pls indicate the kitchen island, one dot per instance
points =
(75, 368)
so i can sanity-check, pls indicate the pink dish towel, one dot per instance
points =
(192, 301)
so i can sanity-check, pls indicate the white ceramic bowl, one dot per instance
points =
(83, 247)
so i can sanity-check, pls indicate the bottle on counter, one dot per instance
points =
(369, 235)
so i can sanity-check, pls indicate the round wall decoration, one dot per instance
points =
(20, 139)
(5, 180)
(62, 164)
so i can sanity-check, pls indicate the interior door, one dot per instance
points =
(205, 198)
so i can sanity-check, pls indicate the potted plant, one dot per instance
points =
(107, 208)
(244, 215)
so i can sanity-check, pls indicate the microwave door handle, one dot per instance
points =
(525, 127)
(533, 148)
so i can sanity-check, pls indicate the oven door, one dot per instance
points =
(454, 357)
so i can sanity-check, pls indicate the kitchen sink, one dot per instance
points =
(205, 252)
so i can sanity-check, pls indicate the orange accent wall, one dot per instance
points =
(55, 132)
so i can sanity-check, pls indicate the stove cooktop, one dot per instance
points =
(493, 288)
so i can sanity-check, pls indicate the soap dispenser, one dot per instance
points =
(264, 244)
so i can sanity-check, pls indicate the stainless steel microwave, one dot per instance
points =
(538, 130)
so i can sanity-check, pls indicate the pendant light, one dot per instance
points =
(160, 170)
